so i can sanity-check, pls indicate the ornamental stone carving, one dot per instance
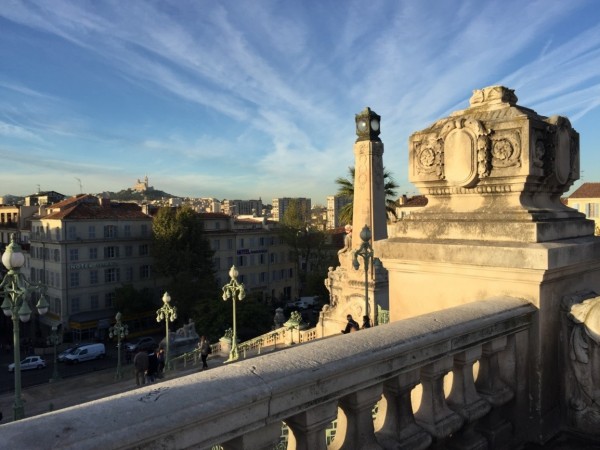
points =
(582, 357)
(495, 160)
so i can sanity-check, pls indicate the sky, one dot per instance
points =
(256, 99)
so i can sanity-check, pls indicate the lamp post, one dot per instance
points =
(167, 313)
(55, 338)
(15, 289)
(236, 292)
(120, 331)
(366, 252)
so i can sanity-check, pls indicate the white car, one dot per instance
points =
(31, 362)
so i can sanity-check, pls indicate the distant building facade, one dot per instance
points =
(586, 199)
(255, 248)
(335, 203)
(242, 207)
(406, 205)
(44, 198)
(280, 205)
(82, 249)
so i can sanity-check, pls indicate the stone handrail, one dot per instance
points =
(242, 405)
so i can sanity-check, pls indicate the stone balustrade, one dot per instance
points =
(242, 405)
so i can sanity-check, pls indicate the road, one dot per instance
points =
(41, 376)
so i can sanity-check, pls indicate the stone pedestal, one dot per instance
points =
(494, 226)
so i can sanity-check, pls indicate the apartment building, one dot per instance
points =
(280, 205)
(82, 249)
(254, 247)
(335, 203)
(242, 207)
(586, 199)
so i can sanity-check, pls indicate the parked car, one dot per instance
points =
(143, 343)
(62, 356)
(31, 362)
(85, 353)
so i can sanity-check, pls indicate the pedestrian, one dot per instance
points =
(161, 362)
(140, 363)
(366, 322)
(351, 326)
(152, 366)
(204, 347)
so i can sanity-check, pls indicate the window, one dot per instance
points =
(144, 272)
(51, 281)
(75, 305)
(111, 275)
(128, 250)
(229, 261)
(57, 308)
(93, 253)
(241, 242)
(127, 230)
(144, 230)
(215, 244)
(57, 255)
(241, 261)
(217, 263)
(109, 299)
(92, 232)
(94, 303)
(72, 232)
(93, 277)
(74, 279)
(229, 244)
(111, 252)
(110, 231)
(261, 241)
(263, 277)
(74, 254)
(592, 210)
(57, 233)
(129, 274)
(143, 250)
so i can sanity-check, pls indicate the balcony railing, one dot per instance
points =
(242, 405)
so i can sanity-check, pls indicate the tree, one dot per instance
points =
(346, 189)
(183, 256)
(129, 300)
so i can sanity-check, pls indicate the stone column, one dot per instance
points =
(308, 428)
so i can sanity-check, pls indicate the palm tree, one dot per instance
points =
(346, 189)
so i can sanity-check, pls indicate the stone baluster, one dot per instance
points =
(307, 429)
(490, 386)
(433, 414)
(355, 428)
(265, 438)
(466, 402)
(397, 427)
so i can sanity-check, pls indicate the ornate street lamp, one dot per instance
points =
(167, 313)
(55, 338)
(366, 252)
(236, 292)
(15, 289)
(120, 331)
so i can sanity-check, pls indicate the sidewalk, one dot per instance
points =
(84, 388)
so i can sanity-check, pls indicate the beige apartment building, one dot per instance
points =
(82, 249)
(254, 247)
(586, 199)
(335, 203)
(280, 205)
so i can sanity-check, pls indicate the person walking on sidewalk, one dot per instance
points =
(152, 366)
(140, 363)
(205, 350)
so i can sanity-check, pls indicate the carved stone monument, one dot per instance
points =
(494, 225)
(346, 285)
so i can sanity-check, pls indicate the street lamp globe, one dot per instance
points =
(13, 258)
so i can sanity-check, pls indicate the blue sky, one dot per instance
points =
(247, 99)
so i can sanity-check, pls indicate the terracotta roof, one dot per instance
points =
(112, 211)
(71, 201)
(587, 190)
(416, 201)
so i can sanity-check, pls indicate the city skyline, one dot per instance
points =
(257, 100)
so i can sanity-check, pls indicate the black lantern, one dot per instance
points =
(368, 125)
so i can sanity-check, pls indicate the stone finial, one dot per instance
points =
(493, 95)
